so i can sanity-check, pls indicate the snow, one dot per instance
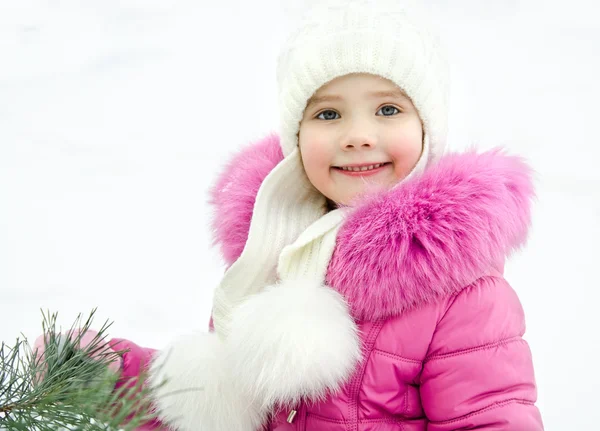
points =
(116, 116)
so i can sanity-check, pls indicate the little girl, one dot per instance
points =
(364, 290)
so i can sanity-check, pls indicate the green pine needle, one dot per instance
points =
(77, 393)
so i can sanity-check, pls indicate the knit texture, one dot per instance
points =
(390, 39)
(285, 206)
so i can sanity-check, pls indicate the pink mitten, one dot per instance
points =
(84, 341)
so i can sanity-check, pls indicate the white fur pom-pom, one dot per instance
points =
(295, 340)
(199, 393)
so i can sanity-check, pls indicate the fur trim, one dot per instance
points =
(235, 191)
(279, 351)
(431, 235)
(198, 392)
(293, 341)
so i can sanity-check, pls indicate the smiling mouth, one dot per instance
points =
(361, 168)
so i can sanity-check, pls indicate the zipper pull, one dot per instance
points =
(291, 416)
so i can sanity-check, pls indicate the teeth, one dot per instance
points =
(364, 168)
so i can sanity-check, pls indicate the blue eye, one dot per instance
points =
(326, 115)
(388, 111)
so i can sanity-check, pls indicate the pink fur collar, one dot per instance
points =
(431, 236)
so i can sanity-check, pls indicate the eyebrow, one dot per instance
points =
(376, 94)
(389, 93)
(320, 99)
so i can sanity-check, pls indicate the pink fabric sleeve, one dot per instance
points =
(478, 373)
(136, 360)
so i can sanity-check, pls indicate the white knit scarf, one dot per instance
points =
(291, 236)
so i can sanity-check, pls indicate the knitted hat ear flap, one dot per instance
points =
(285, 206)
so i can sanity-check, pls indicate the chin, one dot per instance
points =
(344, 201)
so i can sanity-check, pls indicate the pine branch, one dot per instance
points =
(75, 393)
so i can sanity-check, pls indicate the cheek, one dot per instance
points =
(405, 151)
(314, 152)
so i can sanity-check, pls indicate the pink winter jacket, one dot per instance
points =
(421, 270)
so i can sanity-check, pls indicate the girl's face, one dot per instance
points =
(357, 130)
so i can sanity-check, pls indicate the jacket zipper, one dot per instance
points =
(298, 416)
(302, 419)
(369, 341)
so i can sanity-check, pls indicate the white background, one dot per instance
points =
(116, 116)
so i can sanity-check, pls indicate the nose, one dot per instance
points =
(358, 137)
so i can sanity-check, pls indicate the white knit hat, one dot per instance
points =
(289, 236)
(389, 38)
